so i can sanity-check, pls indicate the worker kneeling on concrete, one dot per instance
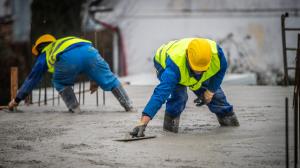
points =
(65, 58)
(196, 63)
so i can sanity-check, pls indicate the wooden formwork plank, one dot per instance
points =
(13, 82)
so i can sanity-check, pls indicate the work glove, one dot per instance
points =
(208, 95)
(199, 101)
(139, 130)
(204, 99)
(12, 104)
(93, 87)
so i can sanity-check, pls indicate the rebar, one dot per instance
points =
(53, 96)
(45, 90)
(287, 132)
(79, 96)
(296, 105)
(83, 94)
(40, 90)
(103, 101)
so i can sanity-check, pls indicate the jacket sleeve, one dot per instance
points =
(168, 81)
(216, 81)
(35, 76)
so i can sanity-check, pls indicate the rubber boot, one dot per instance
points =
(123, 98)
(70, 100)
(229, 119)
(171, 123)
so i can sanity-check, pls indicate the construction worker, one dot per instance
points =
(196, 63)
(65, 58)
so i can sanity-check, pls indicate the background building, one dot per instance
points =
(249, 31)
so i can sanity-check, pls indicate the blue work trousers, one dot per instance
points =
(83, 59)
(177, 101)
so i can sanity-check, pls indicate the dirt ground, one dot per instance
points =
(50, 136)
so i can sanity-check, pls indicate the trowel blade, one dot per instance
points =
(129, 138)
(5, 109)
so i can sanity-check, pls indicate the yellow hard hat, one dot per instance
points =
(42, 39)
(199, 54)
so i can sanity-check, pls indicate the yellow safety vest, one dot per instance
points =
(176, 50)
(58, 46)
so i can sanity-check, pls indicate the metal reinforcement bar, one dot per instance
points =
(83, 96)
(103, 94)
(296, 103)
(81, 91)
(287, 132)
(45, 90)
(97, 98)
(79, 94)
(57, 97)
(43, 97)
(39, 100)
(53, 96)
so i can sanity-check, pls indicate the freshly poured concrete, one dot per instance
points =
(50, 136)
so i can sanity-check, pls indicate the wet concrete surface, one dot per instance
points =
(50, 136)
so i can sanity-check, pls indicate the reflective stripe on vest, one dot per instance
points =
(53, 49)
(176, 50)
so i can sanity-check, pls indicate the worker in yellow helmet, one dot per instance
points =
(65, 58)
(196, 63)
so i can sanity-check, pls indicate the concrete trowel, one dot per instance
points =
(6, 109)
(3, 107)
(129, 137)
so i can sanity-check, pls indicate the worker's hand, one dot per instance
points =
(93, 87)
(208, 95)
(199, 101)
(139, 130)
(12, 104)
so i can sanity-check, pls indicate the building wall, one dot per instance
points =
(5, 8)
(22, 20)
(252, 28)
(20, 13)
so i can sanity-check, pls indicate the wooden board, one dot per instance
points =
(13, 82)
